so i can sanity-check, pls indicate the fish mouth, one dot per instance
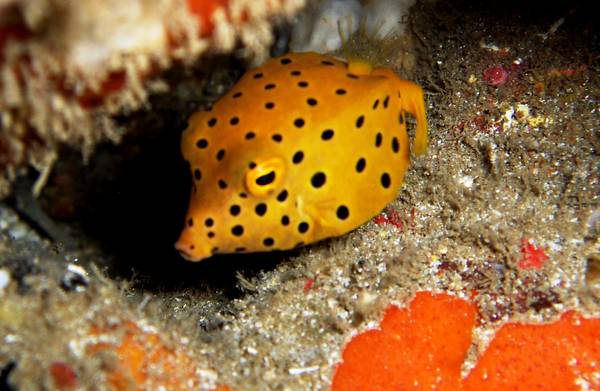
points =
(189, 250)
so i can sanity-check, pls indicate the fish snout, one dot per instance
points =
(189, 248)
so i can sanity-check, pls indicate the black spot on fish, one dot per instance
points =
(237, 230)
(235, 210)
(318, 180)
(327, 134)
(360, 165)
(298, 156)
(386, 181)
(202, 143)
(395, 145)
(268, 242)
(360, 121)
(342, 212)
(282, 196)
(303, 227)
(261, 209)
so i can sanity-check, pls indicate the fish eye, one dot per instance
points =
(264, 176)
(266, 179)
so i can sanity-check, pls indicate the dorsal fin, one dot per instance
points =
(359, 67)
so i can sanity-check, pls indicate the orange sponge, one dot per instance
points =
(144, 360)
(564, 355)
(423, 347)
(418, 348)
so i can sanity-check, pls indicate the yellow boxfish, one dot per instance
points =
(303, 148)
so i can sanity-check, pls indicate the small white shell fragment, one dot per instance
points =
(76, 278)
(301, 371)
(4, 280)
(466, 181)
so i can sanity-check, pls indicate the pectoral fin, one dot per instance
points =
(322, 215)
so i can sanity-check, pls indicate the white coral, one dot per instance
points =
(323, 25)
(321, 28)
(385, 17)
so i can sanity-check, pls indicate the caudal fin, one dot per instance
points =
(413, 102)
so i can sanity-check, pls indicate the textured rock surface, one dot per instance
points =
(67, 68)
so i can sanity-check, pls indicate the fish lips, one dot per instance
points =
(190, 249)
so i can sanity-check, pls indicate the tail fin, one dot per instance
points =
(413, 102)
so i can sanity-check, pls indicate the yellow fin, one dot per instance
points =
(355, 65)
(413, 102)
(359, 67)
